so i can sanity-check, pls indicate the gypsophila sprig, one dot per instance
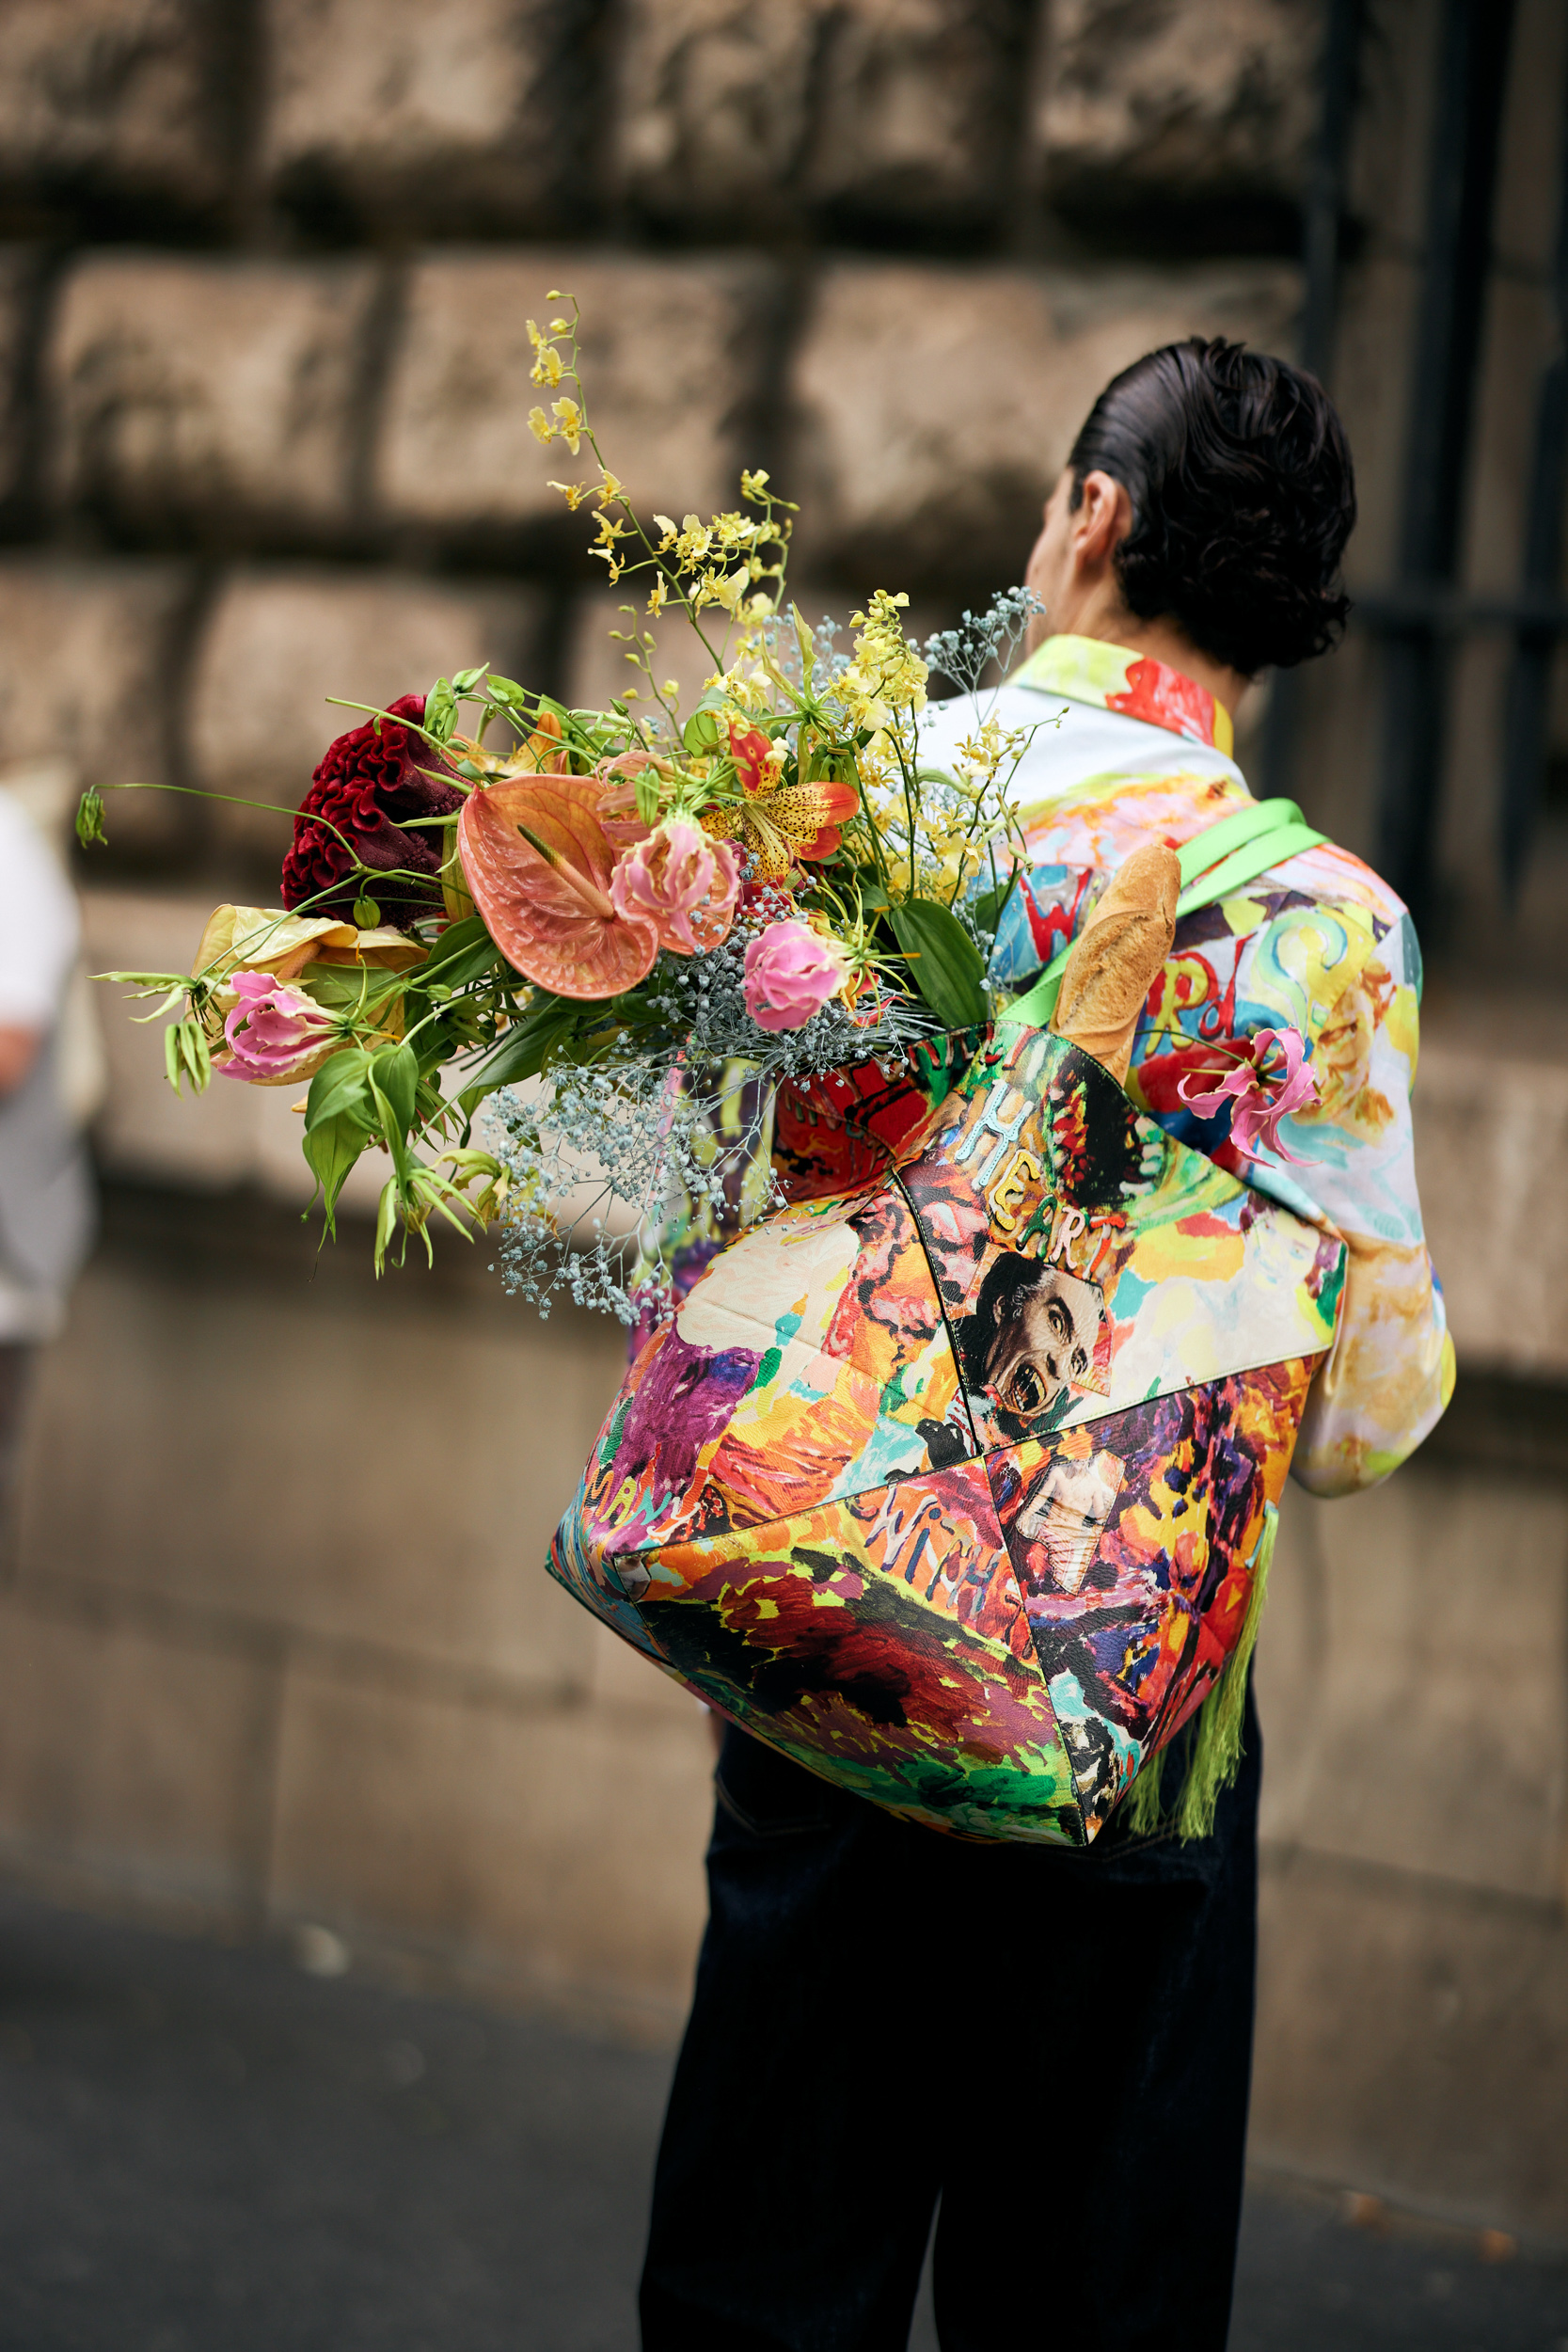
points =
(981, 648)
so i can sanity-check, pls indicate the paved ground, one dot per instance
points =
(210, 2151)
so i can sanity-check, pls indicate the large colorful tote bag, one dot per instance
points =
(957, 1487)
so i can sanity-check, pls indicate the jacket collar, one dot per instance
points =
(1085, 669)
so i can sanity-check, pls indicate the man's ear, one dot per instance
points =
(1102, 517)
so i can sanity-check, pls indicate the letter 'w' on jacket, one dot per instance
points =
(1127, 751)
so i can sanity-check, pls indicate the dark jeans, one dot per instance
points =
(1055, 2045)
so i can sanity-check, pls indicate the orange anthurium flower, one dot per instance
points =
(778, 823)
(538, 862)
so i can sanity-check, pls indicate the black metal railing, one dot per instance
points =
(1419, 614)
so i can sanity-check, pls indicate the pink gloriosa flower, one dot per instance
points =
(1261, 1091)
(790, 974)
(272, 1031)
(683, 881)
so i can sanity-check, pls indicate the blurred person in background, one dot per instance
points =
(1051, 2048)
(46, 1083)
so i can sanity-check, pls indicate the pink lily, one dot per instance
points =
(274, 1033)
(681, 881)
(1260, 1098)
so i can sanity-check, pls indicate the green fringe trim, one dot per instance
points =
(1216, 1749)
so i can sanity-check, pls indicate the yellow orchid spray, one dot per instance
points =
(654, 915)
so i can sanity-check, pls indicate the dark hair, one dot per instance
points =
(1243, 496)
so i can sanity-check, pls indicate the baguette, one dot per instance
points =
(1116, 955)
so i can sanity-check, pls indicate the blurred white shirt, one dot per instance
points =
(39, 940)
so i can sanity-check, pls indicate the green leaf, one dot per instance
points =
(195, 1056)
(385, 1220)
(702, 731)
(945, 964)
(341, 1088)
(395, 1074)
(89, 817)
(173, 995)
(807, 644)
(523, 1050)
(987, 908)
(505, 690)
(464, 682)
(440, 710)
(147, 981)
(353, 987)
(331, 1148)
(464, 951)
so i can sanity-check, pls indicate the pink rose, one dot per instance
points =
(1259, 1095)
(681, 881)
(272, 1031)
(790, 974)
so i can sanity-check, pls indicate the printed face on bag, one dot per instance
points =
(1036, 1326)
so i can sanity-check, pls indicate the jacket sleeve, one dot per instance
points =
(1390, 1375)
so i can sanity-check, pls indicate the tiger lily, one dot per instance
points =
(778, 823)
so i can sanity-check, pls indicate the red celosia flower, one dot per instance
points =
(359, 808)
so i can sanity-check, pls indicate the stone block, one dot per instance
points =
(278, 641)
(935, 408)
(623, 1680)
(1373, 333)
(390, 113)
(87, 653)
(132, 1761)
(401, 1513)
(113, 102)
(1523, 226)
(219, 399)
(1487, 1125)
(672, 359)
(715, 106)
(1158, 108)
(921, 113)
(1413, 2041)
(560, 1849)
(871, 116)
(1410, 1678)
(19, 288)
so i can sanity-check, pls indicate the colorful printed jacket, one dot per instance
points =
(1128, 750)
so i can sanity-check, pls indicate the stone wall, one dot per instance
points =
(264, 271)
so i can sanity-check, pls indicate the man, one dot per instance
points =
(1057, 2044)
(46, 1194)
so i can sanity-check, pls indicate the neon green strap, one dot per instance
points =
(1216, 862)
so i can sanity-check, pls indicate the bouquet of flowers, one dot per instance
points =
(555, 964)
